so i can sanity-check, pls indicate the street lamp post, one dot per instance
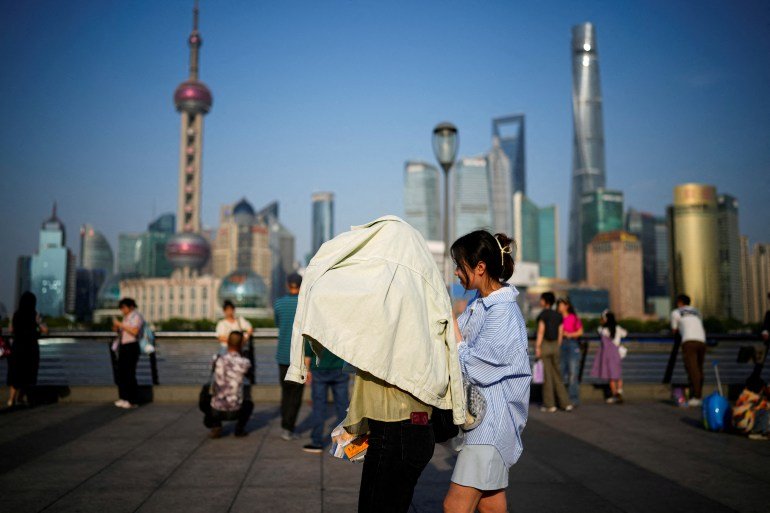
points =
(445, 142)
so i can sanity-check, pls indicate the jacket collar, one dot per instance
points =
(507, 294)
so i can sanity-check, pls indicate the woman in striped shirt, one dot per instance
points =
(493, 357)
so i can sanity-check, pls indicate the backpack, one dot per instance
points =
(147, 340)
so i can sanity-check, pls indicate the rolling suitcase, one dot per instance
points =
(715, 407)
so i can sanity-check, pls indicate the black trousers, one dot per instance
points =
(291, 399)
(397, 454)
(213, 418)
(128, 357)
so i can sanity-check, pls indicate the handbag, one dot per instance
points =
(206, 393)
(5, 348)
(476, 406)
(538, 375)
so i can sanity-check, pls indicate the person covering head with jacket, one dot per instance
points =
(374, 297)
(493, 357)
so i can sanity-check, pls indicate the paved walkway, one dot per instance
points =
(644, 457)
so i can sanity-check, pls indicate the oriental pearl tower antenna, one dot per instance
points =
(188, 249)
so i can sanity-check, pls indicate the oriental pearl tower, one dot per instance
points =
(188, 249)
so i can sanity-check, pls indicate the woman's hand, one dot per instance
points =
(538, 353)
(116, 324)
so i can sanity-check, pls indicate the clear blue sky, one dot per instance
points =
(332, 95)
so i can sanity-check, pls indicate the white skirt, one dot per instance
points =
(480, 467)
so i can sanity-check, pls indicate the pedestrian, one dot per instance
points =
(607, 361)
(550, 333)
(227, 397)
(374, 297)
(493, 357)
(570, 349)
(129, 331)
(229, 324)
(24, 361)
(686, 320)
(285, 308)
(325, 374)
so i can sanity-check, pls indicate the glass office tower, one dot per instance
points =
(323, 219)
(535, 231)
(422, 199)
(53, 270)
(588, 171)
(95, 251)
(548, 241)
(471, 192)
(730, 276)
(601, 211)
(509, 131)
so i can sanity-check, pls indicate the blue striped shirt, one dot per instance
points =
(493, 356)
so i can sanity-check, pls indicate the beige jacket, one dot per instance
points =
(374, 297)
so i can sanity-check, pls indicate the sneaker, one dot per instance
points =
(611, 400)
(288, 435)
(569, 408)
(758, 436)
(313, 448)
(124, 404)
(694, 402)
(215, 433)
(545, 409)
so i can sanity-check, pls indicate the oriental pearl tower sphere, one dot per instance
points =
(188, 249)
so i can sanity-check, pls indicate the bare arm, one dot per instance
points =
(561, 334)
(539, 339)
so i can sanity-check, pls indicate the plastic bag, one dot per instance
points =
(348, 447)
(537, 373)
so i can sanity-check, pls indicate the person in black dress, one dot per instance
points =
(24, 361)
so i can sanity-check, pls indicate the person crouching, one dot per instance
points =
(227, 401)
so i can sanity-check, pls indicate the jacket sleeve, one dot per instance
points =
(492, 356)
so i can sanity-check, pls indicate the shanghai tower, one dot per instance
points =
(588, 172)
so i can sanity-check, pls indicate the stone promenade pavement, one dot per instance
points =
(637, 457)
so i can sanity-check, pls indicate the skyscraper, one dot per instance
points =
(53, 270)
(281, 248)
(500, 188)
(508, 132)
(588, 172)
(600, 211)
(730, 277)
(548, 241)
(95, 251)
(242, 243)
(193, 100)
(614, 262)
(652, 232)
(422, 198)
(755, 269)
(23, 278)
(535, 231)
(694, 247)
(323, 219)
(129, 248)
(471, 191)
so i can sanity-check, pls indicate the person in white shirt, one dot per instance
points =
(229, 324)
(686, 321)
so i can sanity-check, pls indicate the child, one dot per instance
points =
(751, 414)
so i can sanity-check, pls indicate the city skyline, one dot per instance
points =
(80, 143)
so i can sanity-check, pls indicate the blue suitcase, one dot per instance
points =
(715, 408)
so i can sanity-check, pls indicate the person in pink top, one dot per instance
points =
(570, 349)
